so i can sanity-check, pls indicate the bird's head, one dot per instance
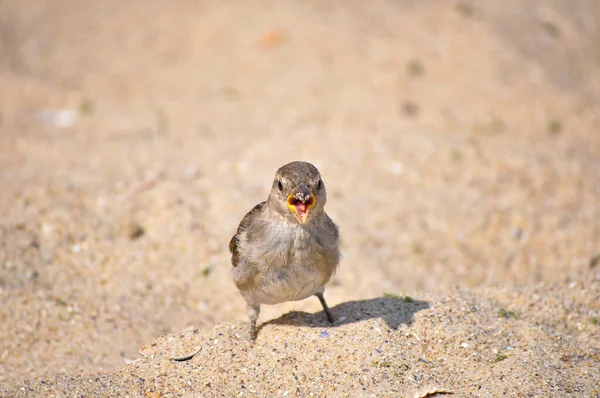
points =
(298, 192)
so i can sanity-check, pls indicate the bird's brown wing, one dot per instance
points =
(233, 243)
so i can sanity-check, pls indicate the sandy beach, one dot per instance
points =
(460, 145)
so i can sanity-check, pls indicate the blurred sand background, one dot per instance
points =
(459, 140)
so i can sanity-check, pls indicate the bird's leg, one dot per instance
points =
(325, 307)
(253, 311)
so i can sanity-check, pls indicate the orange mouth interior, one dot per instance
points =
(301, 208)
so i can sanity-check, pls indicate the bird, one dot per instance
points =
(286, 248)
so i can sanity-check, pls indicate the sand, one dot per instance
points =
(458, 141)
(504, 341)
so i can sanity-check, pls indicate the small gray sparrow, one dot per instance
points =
(286, 248)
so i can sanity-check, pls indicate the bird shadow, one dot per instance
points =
(395, 311)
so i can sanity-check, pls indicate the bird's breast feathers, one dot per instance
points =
(293, 264)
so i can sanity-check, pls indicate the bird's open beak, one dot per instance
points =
(301, 201)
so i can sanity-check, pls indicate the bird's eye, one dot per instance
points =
(320, 184)
(280, 185)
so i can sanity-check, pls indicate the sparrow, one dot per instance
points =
(286, 248)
